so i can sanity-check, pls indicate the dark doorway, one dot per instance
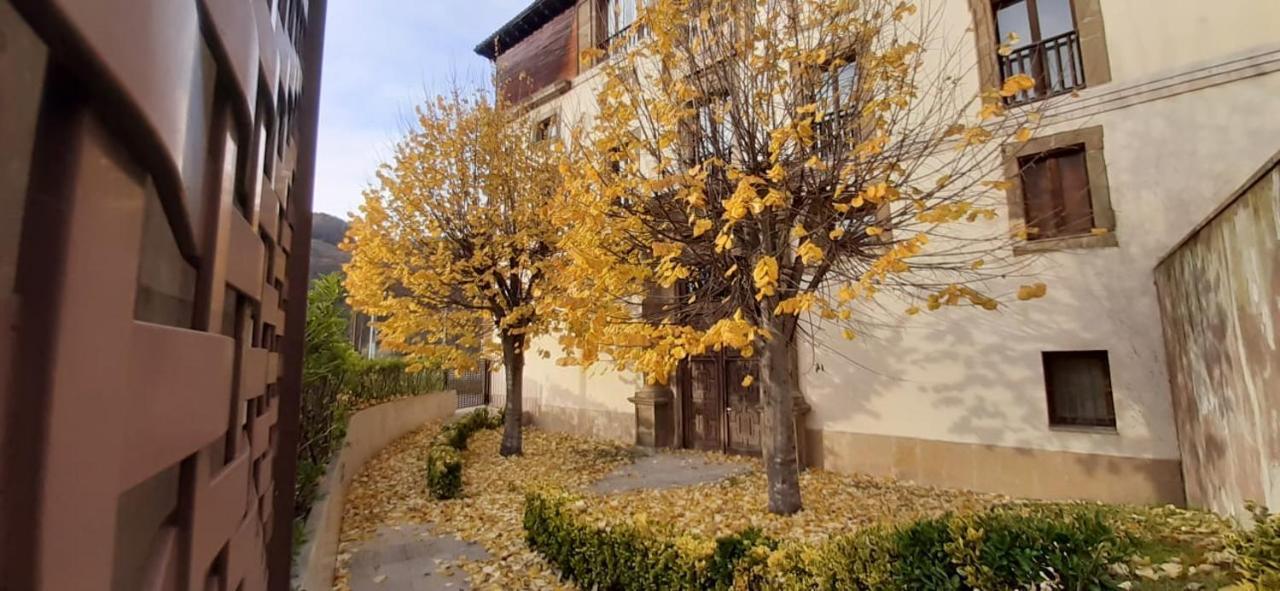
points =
(718, 412)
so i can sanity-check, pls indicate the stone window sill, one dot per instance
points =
(1066, 243)
(1085, 429)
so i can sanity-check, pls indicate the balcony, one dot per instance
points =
(1055, 64)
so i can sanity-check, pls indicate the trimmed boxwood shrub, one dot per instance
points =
(1002, 549)
(627, 558)
(444, 459)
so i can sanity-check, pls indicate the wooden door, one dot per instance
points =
(742, 407)
(719, 413)
(702, 403)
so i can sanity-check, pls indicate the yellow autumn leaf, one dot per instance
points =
(765, 276)
(701, 226)
(1031, 292)
(810, 253)
(1016, 84)
(747, 381)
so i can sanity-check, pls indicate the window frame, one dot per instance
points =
(1099, 190)
(1052, 158)
(546, 129)
(1109, 423)
(1091, 34)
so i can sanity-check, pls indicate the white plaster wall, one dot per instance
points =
(598, 388)
(1145, 37)
(967, 375)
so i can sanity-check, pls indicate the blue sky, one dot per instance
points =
(382, 57)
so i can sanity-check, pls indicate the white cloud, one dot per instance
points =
(381, 58)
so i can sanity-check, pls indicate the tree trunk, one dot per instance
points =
(513, 362)
(779, 438)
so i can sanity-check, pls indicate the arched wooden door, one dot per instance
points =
(718, 412)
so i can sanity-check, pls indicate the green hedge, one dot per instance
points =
(1258, 550)
(1002, 549)
(444, 459)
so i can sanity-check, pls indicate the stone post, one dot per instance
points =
(655, 416)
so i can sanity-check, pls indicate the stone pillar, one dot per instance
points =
(655, 416)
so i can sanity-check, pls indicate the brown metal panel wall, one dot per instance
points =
(1220, 302)
(545, 57)
(147, 412)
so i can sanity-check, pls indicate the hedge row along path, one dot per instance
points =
(394, 537)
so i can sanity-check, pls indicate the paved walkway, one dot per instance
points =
(413, 558)
(666, 471)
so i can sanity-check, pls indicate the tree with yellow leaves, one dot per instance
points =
(452, 248)
(759, 167)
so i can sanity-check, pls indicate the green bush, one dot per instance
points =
(626, 558)
(1258, 550)
(337, 381)
(444, 459)
(1002, 549)
(444, 472)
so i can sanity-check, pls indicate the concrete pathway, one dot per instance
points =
(412, 558)
(660, 471)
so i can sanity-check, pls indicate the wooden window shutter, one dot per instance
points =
(1038, 197)
(1077, 206)
(590, 30)
(587, 21)
(1055, 192)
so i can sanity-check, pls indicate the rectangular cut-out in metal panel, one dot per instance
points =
(219, 506)
(1220, 302)
(243, 564)
(268, 211)
(253, 373)
(261, 429)
(268, 59)
(180, 381)
(271, 312)
(244, 261)
(237, 34)
(163, 571)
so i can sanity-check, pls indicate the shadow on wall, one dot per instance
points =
(591, 402)
(973, 376)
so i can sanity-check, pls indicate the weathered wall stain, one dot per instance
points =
(1220, 301)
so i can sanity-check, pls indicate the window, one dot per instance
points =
(709, 133)
(1059, 192)
(546, 129)
(1078, 386)
(1047, 47)
(1055, 191)
(618, 17)
(837, 99)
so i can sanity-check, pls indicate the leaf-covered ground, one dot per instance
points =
(391, 490)
(1186, 548)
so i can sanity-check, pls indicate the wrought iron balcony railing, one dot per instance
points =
(1055, 63)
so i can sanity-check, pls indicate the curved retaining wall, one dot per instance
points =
(367, 432)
